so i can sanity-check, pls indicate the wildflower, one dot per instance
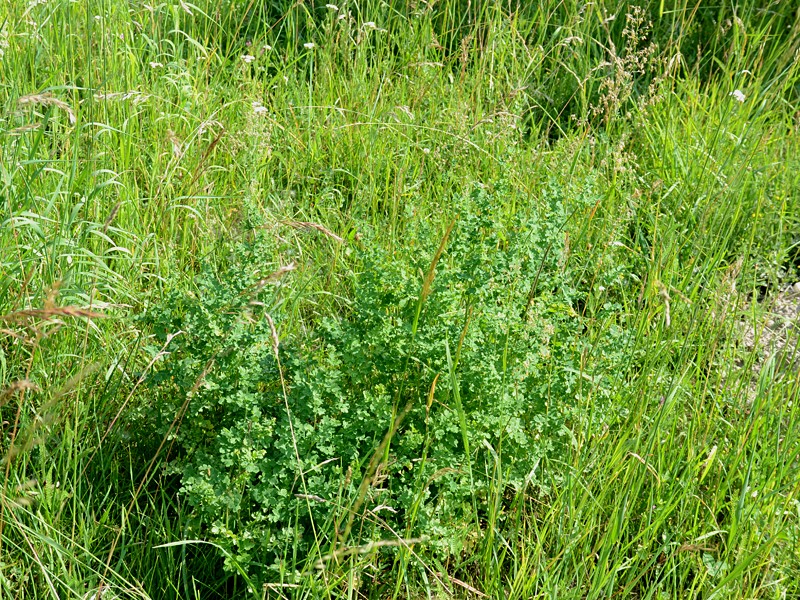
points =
(370, 24)
(266, 48)
(259, 108)
(738, 95)
(332, 7)
(342, 16)
(308, 45)
(248, 58)
(155, 65)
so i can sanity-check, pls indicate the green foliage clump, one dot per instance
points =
(466, 362)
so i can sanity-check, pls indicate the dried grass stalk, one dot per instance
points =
(48, 99)
(317, 226)
(50, 312)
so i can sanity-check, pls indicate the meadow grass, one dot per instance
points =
(144, 144)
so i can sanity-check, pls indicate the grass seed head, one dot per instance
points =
(47, 99)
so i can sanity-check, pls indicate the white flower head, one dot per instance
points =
(156, 65)
(266, 47)
(738, 95)
(259, 108)
(308, 45)
(370, 25)
(248, 58)
(332, 7)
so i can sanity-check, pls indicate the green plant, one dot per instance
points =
(174, 154)
(498, 303)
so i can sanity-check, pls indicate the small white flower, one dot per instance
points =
(248, 58)
(332, 7)
(426, 150)
(259, 108)
(266, 47)
(738, 95)
(155, 65)
(370, 24)
(342, 16)
(308, 45)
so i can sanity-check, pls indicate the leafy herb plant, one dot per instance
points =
(464, 352)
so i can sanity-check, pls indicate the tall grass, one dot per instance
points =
(139, 139)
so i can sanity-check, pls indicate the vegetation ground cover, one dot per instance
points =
(398, 299)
